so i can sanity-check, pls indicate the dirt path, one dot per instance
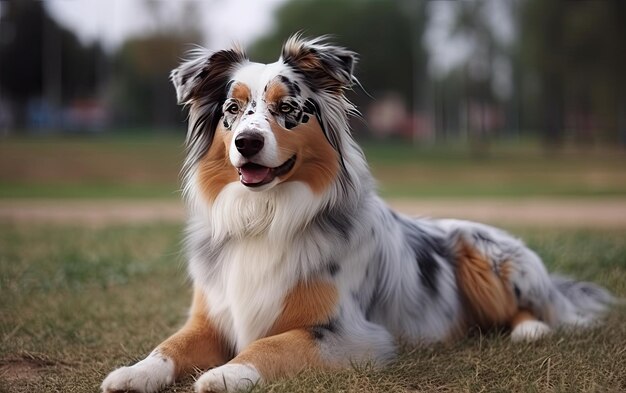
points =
(91, 212)
(583, 213)
(592, 213)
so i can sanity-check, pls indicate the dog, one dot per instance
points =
(295, 261)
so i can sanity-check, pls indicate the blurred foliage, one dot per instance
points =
(576, 54)
(564, 65)
(43, 62)
(141, 90)
(38, 56)
(470, 90)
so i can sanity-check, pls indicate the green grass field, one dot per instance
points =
(143, 166)
(91, 167)
(77, 302)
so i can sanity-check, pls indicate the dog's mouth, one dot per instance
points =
(255, 175)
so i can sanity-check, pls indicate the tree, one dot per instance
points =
(576, 51)
(473, 95)
(40, 59)
(142, 94)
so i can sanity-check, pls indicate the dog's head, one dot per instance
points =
(263, 125)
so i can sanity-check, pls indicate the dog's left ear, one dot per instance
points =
(325, 67)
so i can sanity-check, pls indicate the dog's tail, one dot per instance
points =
(579, 303)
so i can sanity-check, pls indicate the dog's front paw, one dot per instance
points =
(228, 378)
(147, 376)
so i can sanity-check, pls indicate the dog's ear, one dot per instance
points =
(325, 67)
(201, 83)
(205, 74)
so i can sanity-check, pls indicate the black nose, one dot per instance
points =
(249, 143)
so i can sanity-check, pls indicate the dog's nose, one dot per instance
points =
(249, 143)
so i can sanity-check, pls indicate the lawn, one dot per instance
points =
(77, 302)
(144, 166)
(140, 166)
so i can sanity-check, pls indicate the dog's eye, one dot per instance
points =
(233, 109)
(285, 108)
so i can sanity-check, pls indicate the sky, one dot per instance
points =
(111, 21)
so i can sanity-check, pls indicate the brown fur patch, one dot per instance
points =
(307, 304)
(487, 295)
(240, 92)
(275, 92)
(317, 162)
(214, 169)
(308, 61)
(282, 355)
(198, 344)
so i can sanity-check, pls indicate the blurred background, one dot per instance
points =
(464, 98)
(509, 112)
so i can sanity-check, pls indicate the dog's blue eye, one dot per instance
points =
(285, 108)
(233, 109)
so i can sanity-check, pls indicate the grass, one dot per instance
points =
(77, 302)
(147, 166)
(507, 170)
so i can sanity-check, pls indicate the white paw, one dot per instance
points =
(149, 375)
(529, 331)
(228, 378)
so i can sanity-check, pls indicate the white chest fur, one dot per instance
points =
(246, 295)
(254, 259)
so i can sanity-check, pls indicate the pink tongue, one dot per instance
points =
(254, 174)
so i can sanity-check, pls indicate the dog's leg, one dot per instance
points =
(503, 284)
(195, 345)
(341, 342)
(264, 360)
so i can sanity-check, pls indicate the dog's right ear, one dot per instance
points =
(325, 66)
(205, 75)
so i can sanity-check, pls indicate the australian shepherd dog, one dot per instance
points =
(296, 262)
